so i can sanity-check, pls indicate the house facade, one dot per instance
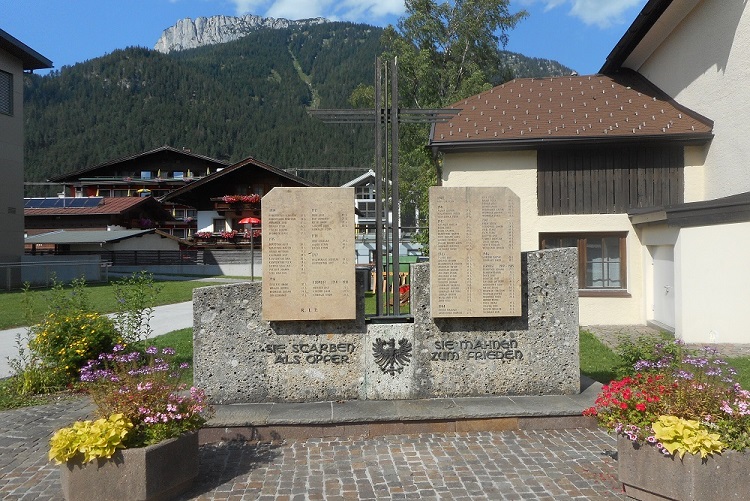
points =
(151, 173)
(228, 202)
(640, 167)
(15, 58)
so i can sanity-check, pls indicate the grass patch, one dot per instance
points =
(370, 306)
(101, 298)
(742, 365)
(597, 361)
(182, 342)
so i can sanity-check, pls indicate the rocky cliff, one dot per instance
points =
(188, 34)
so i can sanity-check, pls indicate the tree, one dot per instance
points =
(446, 51)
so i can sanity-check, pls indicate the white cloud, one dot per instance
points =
(602, 13)
(348, 10)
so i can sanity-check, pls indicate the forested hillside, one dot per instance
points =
(229, 101)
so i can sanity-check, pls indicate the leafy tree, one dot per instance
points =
(446, 51)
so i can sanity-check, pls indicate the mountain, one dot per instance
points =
(228, 100)
(189, 34)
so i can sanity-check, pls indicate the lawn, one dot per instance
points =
(101, 297)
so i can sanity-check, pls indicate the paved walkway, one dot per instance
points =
(529, 464)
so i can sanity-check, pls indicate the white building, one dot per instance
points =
(642, 167)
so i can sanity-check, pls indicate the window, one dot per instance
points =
(367, 209)
(145, 174)
(179, 214)
(121, 193)
(6, 93)
(365, 192)
(601, 259)
(179, 232)
(219, 225)
(178, 175)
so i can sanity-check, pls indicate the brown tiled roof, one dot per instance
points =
(114, 205)
(569, 109)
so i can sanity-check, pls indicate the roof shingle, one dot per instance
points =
(570, 108)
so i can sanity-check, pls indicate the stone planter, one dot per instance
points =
(156, 472)
(647, 474)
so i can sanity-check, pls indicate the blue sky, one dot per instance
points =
(578, 33)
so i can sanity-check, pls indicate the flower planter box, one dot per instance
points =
(156, 472)
(647, 474)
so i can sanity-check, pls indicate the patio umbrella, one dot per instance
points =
(249, 220)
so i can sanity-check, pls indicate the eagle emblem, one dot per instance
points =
(391, 359)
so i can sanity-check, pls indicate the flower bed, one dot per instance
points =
(680, 407)
(143, 409)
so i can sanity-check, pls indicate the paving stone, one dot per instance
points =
(525, 464)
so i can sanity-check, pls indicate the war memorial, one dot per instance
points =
(485, 318)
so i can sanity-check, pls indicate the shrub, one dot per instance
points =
(135, 297)
(64, 341)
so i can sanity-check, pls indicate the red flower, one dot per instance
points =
(640, 407)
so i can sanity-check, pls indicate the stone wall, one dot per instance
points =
(239, 357)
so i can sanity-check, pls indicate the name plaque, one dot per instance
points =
(308, 254)
(475, 252)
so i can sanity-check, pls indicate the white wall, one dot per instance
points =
(705, 65)
(205, 220)
(714, 302)
(517, 171)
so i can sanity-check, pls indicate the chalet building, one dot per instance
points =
(15, 58)
(228, 201)
(152, 173)
(641, 167)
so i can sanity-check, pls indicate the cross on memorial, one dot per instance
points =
(386, 119)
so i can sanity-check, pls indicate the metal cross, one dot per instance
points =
(386, 119)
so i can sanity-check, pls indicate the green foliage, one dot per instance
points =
(92, 439)
(449, 50)
(686, 435)
(30, 375)
(136, 296)
(648, 348)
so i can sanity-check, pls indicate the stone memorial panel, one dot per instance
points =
(308, 254)
(475, 252)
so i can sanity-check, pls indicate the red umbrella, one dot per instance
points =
(249, 220)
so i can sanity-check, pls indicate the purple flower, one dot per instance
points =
(152, 350)
(168, 351)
